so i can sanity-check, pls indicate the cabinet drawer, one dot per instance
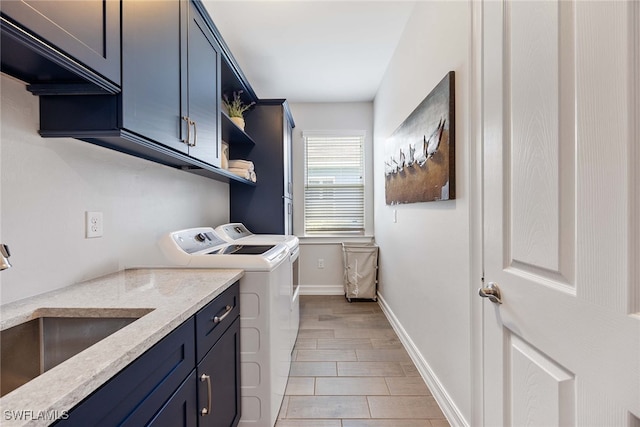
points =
(134, 395)
(215, 318)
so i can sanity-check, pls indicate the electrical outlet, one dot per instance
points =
(93, 224)
(320, 263)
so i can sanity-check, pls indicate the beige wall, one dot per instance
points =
(48, 184)
(425, 273)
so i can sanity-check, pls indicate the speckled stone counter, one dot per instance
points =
(168, 296)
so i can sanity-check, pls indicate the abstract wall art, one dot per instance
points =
(419, 163)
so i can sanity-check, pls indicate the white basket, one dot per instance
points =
(360, 270)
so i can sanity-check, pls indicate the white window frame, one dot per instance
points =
(359, 231)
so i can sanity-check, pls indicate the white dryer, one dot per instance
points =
(236, 232)
(265, 299)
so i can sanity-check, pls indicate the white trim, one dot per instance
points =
(321, 289)
(476, 215)
(337, 132)
(334, 239)
(446, 403)
(634, 162)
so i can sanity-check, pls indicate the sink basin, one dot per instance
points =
(37, 345)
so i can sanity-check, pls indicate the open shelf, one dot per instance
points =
(232, 134)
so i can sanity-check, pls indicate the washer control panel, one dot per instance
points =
(235, 231)
(197, 239)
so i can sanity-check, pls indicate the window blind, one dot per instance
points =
(334, 184)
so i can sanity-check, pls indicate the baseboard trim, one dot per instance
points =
(449, 408)
(321, 290)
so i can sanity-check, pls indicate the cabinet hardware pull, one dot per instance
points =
(187, 139)
(207, 410)
(217, 319)
(195, 133)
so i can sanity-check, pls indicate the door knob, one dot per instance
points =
(491, 291)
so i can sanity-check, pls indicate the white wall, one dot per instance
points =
(327, 116)
(48, 184)
(425, 273)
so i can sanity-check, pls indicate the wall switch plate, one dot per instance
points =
(320, 263)
(94, 226)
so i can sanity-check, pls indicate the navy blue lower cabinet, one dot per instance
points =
(134, 396)
(170, 384)
(181, 410)
(219, 381)
(215, 318)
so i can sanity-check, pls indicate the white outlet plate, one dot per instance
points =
(94, 226)
(320, 263)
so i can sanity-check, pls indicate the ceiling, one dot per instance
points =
(312, 51)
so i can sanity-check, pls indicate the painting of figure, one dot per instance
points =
(420, 155)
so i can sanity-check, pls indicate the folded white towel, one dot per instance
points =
(241, 164)
(253, 176)
(242, 173)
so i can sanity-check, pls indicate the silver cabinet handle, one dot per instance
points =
(491, 291)
(195, 133)
(207, 410)
(219, 319)
(187, 139)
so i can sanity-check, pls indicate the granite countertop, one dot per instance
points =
(168, 296)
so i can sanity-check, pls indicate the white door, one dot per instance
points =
(561, 212)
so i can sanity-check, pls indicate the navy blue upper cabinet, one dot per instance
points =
(203, 91)
(63, 42)
(170, 82)
(169, 108)
(152, 94)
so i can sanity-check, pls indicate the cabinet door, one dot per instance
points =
(152, 58)
(181, 410)
(222, 366)
(203, 90)
(87, 31)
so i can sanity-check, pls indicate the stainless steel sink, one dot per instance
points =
(33, 347)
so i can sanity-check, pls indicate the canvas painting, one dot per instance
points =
(420, 154)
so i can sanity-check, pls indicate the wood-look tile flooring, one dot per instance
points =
(350, 369)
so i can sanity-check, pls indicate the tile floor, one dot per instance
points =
(350, 370)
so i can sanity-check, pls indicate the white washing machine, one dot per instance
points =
(265, 312)
(237, 232)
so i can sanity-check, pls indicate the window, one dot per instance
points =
(334, 183)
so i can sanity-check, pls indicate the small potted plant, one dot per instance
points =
(236, 108)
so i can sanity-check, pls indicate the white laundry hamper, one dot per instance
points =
(360, 271)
